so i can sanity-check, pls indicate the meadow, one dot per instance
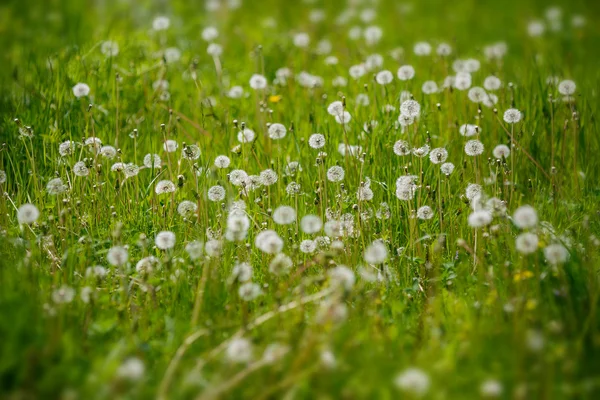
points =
(361, 199)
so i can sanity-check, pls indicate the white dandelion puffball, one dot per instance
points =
(194, 249)
(401, 148)
(239, 351)
(335, 174)
(376, 253)
(209, 34)
(406, 72)
(53, 187)
(567, 87)
(469, 130)
(81, 90)
(492, 83)
(444, 50)
(258, 82)
(413, 381)
(479, 219)
(301, 40)
(161, 23)
(512, 116)
(117, 256)
(216, 193)
(491, 389)
(152, 161)
(447, 168)
(165, 240)
(80, 169)
(187, 208)
(424, 212)
(170, 146)
(525, 217)
(556, 254)
(109, 48)
(284, 215)
(422, 49)
(316, 141)
(164, 186)
(246, 135)
(311, 224)
(336, 108)
(214, 50)
(384, 77)
(269, 242)
(27, 214)
(277, 131)
(410, 108)
(429, 87)
(222, 162)
(438, 155)
(344, 118)
(501, 151)
(474, 148)
(281, 264)
(526, 243)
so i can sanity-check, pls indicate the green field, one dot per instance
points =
(299, 200)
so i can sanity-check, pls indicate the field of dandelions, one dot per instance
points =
(301, 200)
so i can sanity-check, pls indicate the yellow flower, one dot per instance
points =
(522, 275)
(275, 98)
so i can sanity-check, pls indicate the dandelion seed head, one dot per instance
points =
(526, 243)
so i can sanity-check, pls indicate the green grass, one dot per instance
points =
(460, 304)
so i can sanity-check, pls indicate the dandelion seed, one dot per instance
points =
(462, 81)
(269, 242)
(27, 214)
(469, 130)
(268, 177)
(567, 87)
(316, 141)
(66, 148)
(447, 168)
(401, 148)
(80, 169)
(246, 136)
(131, 170)
(81, 90)
(479, 218)
(421, 151)
(308, 246)
(429, 87)
(336, 108)
(187, 208)
(492, 83)
(344, 118)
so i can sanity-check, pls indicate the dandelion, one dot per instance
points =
(429, 87)
(413, 381)
(462, 81)
(152, 161)
(406, 72)
(422, 49)
(213, 248)
(164, 186)
(209, 34)
(187, 208)
(190, 152)
(501, 151)
(27, 214)
(525, 217)
(469, 130)
(239, 351)
(161, 23)
(410, 108)
(81, 90)
(447, 168)
(117, 256)
(281, 264)
(80, 169)
(342, 276)
(336, 108)
(492, 83)
(356, 71)
(132, 369)
(512, 116)
(249, 291)
(147, 264)
(258, 82)
(479, 218)
(491, 389)
(424, 212)
(284, 215)
(194, 249)
(108, 152)
(269, 242)
(474, 148)
(311, 224)
(131, 170)
(438, 155)
(308, 246)
(235, 92)
(384, 77)
(268, 177)
(556, 254)
(421, 151)
(536, 28)
(364, 193)
(401, 148)
(567, 87)
(109, 48)
(66, 148)
(301, 40)
(214, 50)
(376, 253)
(55, 186)
(335, 174)
(526, 243)
(277, 131)
(246, 136)
(344, 118)
(372, 34)
(476, 94)
(216, 193)
(316, 141)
